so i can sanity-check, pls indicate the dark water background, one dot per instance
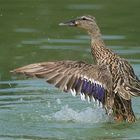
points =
(29, 33)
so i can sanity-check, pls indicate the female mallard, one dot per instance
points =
(111, 82)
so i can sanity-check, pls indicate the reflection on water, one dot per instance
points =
(31, 109)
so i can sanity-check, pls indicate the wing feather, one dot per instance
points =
(91, 81)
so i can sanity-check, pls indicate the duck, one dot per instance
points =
(110, 81)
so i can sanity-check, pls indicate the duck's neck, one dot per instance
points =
(98, 49)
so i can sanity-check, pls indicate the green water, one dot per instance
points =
(30, 109)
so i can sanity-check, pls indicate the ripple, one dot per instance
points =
(26, 30)
(105, 37)
(84, 6)
(135, 61)
(53, 40)
(76, 48)
(82, 39)
(128, 52)
(31, 42)
(25, 86)
(137, 69)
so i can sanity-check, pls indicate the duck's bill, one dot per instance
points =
(68, 23)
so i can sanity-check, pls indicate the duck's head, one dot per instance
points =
(85, 22)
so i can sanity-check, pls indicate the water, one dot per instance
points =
(31, 109)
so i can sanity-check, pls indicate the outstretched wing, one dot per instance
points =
(90, 81)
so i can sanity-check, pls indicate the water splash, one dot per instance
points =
(88, 115)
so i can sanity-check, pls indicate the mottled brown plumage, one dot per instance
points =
(112, 81)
